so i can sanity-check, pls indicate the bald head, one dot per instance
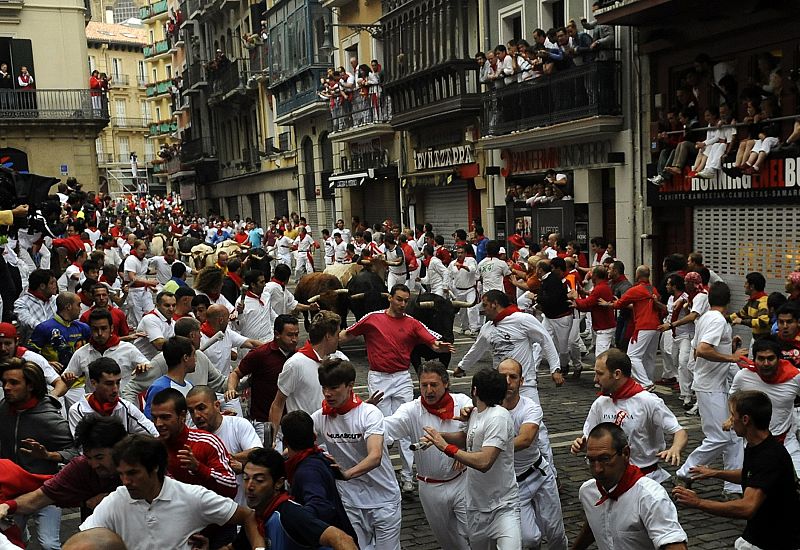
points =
(217, 316)
(98, 538)
(643, 273)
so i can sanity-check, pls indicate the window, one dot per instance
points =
(511, 23)
(98, 146)
(116, 68)
(119, 109)
(124, 10)
(152, 36)
(155, 75)
(141, 73)
(556, 12)
(149, 150)
(144, 109)
(158, 113)
(124, 146)
(168, 70)
(92, 63)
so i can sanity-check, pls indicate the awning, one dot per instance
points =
(354, 179)
(441, 176)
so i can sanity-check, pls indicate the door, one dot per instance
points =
(446, 209)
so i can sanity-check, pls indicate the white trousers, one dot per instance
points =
(714, 152)
(467, 317)
(603, 340)
(140, 302)
(793, 447)
(559, 330)
(576, 345)
(543, 437)
(713, 407)
(540, 510)
(683, 358)
(741, 544)
(397, 389)
(395, 279)
(303, 266)
(377, 528)
(670, 361)
(412, 279)
(497, 530)
(445, 507)
(642, 353)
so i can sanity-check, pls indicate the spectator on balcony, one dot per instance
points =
(768, 133)
(6, 82)
(712, 149)
(556, 58)
(480, 59)
(667, 140)
(525, 65)
(582, 51)
(375, 80)
(362, 104)
(684, 153)
(25, 79)
(602, 36)
(505, 73)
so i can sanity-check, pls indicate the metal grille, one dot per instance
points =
(446, 209)
(736, 240)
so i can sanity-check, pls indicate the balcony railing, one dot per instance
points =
(163, 127)
(153, 10)
(120, 80)
(588, 90)
(158, 88)
(363, 111)
(259, 61)
(192, 7)
(227, 78)
(141, 80)
(65, 105)
(301, 92)
(447, 89)
(197, 149)
(125, 122)
(162, 46)
(197, 75)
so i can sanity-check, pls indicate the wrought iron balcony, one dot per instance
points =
(163, 127)
(198, 149)
(158, 88)
(125, 122)
(447, 89)
(160, 47)
(195, 77)
(364, 117)
(120, 80)
(589, 90)
(153, 10)
(227, 78)
(302, 91)
(74, 106)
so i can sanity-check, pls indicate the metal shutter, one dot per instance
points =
(736, 240)
(381, 201)
(446, 209)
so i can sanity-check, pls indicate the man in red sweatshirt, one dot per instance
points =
(647, 314)
(603, 321)
(72, 242)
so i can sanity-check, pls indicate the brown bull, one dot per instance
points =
(323, 289)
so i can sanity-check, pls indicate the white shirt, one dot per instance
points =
(491, 272)
(256, 321)
(125, 354)
(70, 278)
(527, 411)
(163, 269)
(305, 244)
(155, 326)
(163, 523)
(50, 374)
(283, 246)
(700, 304)
(132, 418)
(394, 255)
(238, 435)
(781, 395)
(686, 330)
(220, 352)
(339, 251)
(712, 328)
(299, 382)
(139, 267)
(279, 298)
(345, 437)
(497, 488)
(329, 247)
(643, 517)
(437, 277)
(408, 422)
(466, 276)
(519, 336)
(644, 418)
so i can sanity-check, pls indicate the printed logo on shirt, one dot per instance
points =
(345, 436)
(618, 418)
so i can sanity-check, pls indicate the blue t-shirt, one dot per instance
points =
(57, 340)
(163, 383)
(290, 527)
(255, 236)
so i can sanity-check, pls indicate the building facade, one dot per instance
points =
(49, 126)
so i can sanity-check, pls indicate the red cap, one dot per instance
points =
(7, 330)
(517, 241)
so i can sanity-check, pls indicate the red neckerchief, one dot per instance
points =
(293, 462)
(40, 295)
(274, 280)
(598, 257)
(206, 329)
(24, 406)
(279, 499)
(628, 389)
(21, 351)
(159, 315)
(112, 341)
(352, 402)
(619, 279)
(309, 352)
(103, 409)
(785, 372)
(177, 317)
(757, 295)
(252, 295)
(444, 408)
(675, 313)
(629, 478)
(235, 278)
(505, 312)
(85, 299)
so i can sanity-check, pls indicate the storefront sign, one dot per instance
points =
(352, 182)
(442, 158)
(365, 155)
(557, 158)
(779, 181)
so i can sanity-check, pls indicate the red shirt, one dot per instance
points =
(214, 470)
(646, 315)
(602, 317)
(390, 340)
(265, 363)
(443, 254)
(790, 350)
(120, 322)
(76, 483)
(240, 238)
(411, 258)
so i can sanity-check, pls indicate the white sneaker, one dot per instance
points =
(656, 180)
(706, 174)
(693, 411)
(469, 332)
(408, 487)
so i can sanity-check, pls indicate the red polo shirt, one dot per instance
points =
(602, 317)
(646, 315)
(264, 363)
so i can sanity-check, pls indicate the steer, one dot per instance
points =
(323, 289)
(437, 314)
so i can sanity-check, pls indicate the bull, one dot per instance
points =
(367, 293)
(326, 291)
(438, 314)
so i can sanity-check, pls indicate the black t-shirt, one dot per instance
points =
(768, 466)
(291, 527)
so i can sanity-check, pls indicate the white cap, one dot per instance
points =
(502, 250)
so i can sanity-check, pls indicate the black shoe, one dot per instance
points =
(732, 172)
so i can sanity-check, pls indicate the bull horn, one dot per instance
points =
(314, 298)
(385, 294)
(340, 291)
(358, 296)
(426, 305)
(461, 303)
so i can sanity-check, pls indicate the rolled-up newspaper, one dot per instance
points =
(420, 445)
(213, 340)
